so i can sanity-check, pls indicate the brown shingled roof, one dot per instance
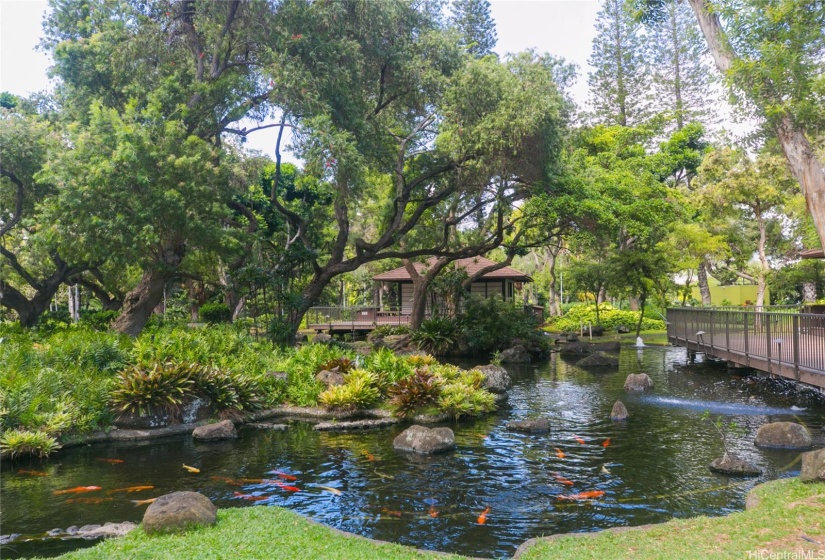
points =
(471, 265)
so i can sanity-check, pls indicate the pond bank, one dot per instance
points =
(789, 518)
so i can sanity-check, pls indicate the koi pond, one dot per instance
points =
(652, 469)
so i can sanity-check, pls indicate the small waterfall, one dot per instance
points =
(639, 342)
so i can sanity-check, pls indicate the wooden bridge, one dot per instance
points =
(780, 341)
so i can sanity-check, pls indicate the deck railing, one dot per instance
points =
(778, 341)
(359, 316)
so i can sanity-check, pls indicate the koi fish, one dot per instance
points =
(606, 442)
(385, 475)
(433, 512)
(589, 495)
(130, 489)
(288, 488)
(283, 475)
(76, 490)
(88, 500)
(394, 513)
(482, 519)
(559, 453)
(227, 480)
(143, 502)
(252, 480)
(250, 497)
(563, 480)
(110, 461)
(331, 490)
(604, 470)
(191, 469)
(33, 473)
(579, 440)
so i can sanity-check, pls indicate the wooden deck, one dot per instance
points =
(336, 320)
(783, 343)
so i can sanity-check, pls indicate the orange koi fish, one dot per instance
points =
(251, 497)
(76, 490)
(283, 475)
(110, 461)
(88, 500)
(288, 488)
(482, 519)
(227, 480)
(191, 469)
(143, 502)
(559, 453)
(606, 442)
(33, 473)
(370, 457)
(589, 495)
(392, 512)
(252, 480)
(130, 489)
(433, 512)
(579, 440)
(563, 480)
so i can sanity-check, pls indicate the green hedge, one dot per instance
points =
(611, 318)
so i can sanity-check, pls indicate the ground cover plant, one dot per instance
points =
(72, 380)
(611, 319)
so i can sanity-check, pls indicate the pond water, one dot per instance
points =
(653, 469)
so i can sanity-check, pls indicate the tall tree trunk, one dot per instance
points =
(142, 300)
(764, 266)
(702, 279)
(553, 300)
(421, 284)
(808, 292)
(804, 164)
(642, 301)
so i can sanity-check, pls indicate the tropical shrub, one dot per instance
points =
(491, 324)
(390, 330)
(358, 391)
(215, 313)
(611, 318)
(99, 320)
(301, 365)
(388, 367)
(161, 388)
(343, 365)
(436, 335)
(25, 442)
(412, 393)
(462, 395)
(420, 360)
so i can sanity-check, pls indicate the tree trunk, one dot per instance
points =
(28, 310)
(764, 266)
(704, 287)
(553, 300)
(142, 300)
(642, 301)
(808, 292)
(804, 164)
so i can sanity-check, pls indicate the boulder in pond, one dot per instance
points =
(619, 412)
(322, 337)
(534, 426)
(215, 432)
(813, 466)
(576, 349)
(179, 511)
(518, 354)
(105, 531)
(734, 466)
(397, 341)
(136, 421)
(330, 377)
(427, 441)
(598, 360)
(496, 378)
(783, 435)
(638, 382)
(612, 346)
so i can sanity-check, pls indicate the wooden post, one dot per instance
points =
(747, 356)
(768, 338)
(796, 346)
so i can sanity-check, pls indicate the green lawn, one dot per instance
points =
(790, 512)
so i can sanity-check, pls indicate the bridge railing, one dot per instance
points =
(765, 338)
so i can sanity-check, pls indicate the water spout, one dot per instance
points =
(639, 342)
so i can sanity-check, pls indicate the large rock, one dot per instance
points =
(105, 531)
(576, 349)
(397, 341)
(496, 378)
(536, 426)
(420, 439)
(149, 421)
(330, 377)
(613, 346)
(215, 432)
(783, 435)
(322, 337)
(178, 511)
(619, 412)
(734, 466)
(598, 360)
(638, 382)
(515, 355)
(813, 466)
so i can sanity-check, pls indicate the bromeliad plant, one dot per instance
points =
(17, 443)
(162, 387)
(414, 393)
(359, 390)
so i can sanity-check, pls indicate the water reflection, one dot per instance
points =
(654, 468)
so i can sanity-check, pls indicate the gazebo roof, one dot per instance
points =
(813, 254)
(470, 265)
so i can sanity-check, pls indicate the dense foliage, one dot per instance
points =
(611, 319)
